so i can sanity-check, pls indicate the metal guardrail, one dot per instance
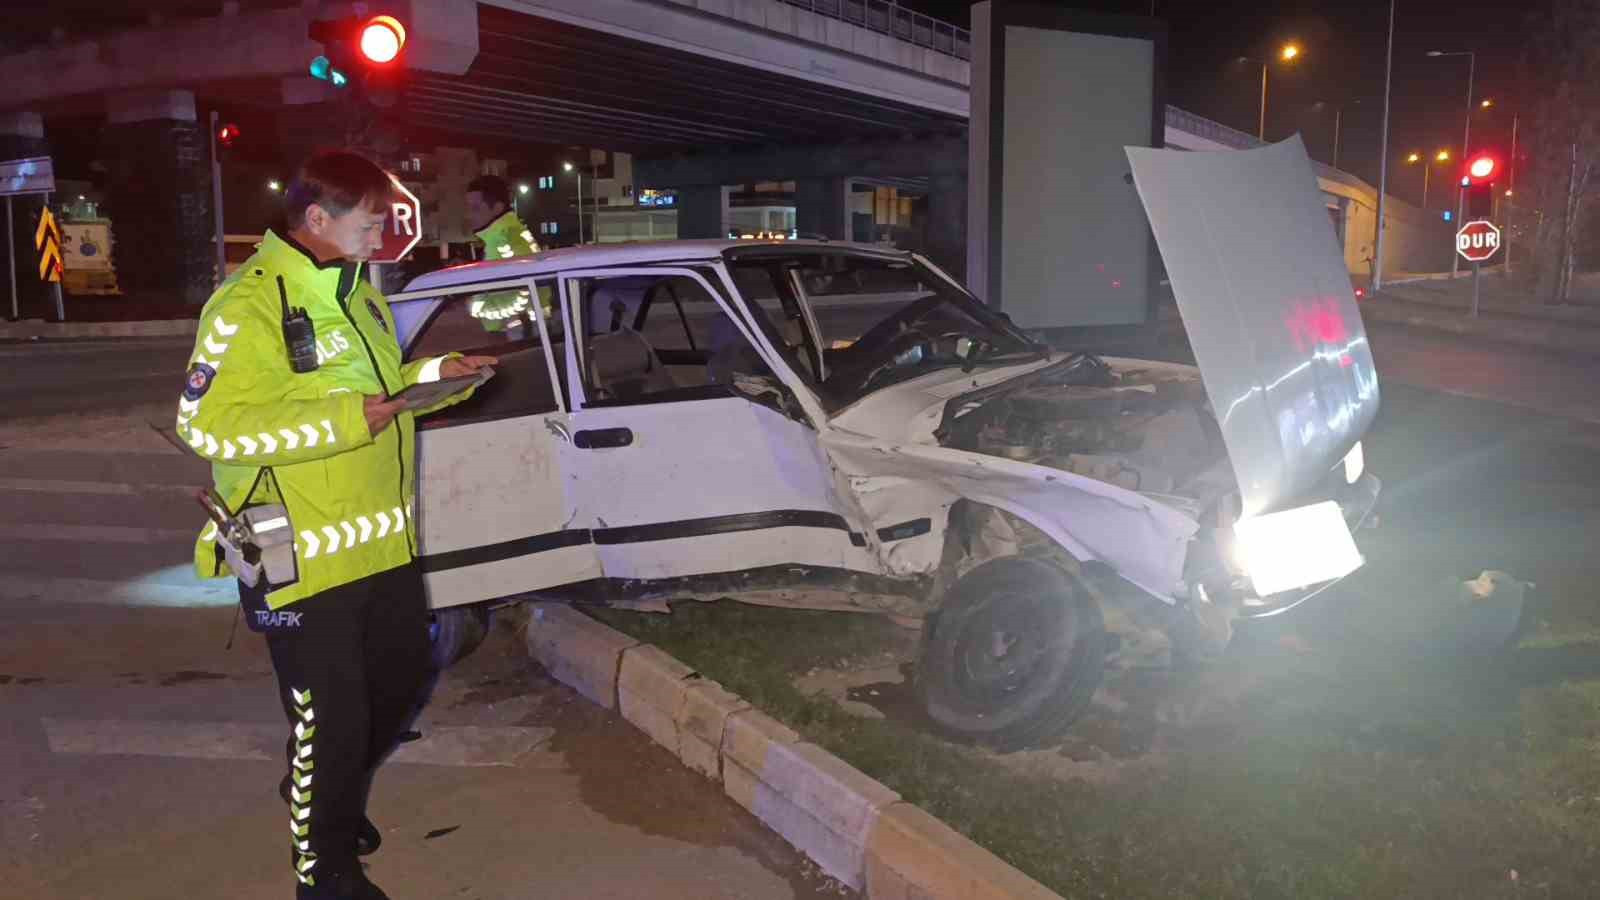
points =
(887, 17)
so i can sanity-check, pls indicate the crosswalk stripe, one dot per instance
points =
(440, 745)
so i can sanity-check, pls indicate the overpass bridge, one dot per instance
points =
(703, 93)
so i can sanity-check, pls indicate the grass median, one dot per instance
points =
(1317, 759)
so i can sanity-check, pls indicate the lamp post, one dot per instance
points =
(569, 167)
(1383, 160)
(1338, 119)
(1427, 167)
(1289, 53)
(1466, 136)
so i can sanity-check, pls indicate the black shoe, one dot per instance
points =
(368, 839)
(348, 885)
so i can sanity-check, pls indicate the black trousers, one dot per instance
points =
(352, 667)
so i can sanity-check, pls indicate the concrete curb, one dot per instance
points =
(38, 328)
(856, 829)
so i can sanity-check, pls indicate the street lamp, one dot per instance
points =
(1338, 117)
(274, 185)
(1466, 136)
(569, 167)
(1414, 157)
(1289, 53)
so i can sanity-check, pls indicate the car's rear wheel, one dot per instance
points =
(1013, 655)
(455, 631)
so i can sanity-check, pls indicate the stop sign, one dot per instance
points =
(403, 228)
(1478, 240)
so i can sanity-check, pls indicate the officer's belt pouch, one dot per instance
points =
(269, 549)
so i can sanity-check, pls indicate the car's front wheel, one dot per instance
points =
(1013, 655)
(455, 631)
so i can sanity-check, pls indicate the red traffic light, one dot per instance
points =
(381, 39)
(1482, 168)
(227, 134)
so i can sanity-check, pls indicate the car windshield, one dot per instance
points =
(879, 318)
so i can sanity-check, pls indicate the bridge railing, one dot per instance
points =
(887, 17)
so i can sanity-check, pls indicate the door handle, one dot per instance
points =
(558, 429)
(602, 438)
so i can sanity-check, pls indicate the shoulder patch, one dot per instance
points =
(198, 381)
(377, 315)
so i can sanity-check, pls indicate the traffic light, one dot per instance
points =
(1478, 183)
(382, 39)
(360, 51)
(226, 135)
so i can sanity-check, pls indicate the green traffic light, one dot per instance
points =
(322, 70)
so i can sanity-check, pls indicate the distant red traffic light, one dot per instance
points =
(227, 134)
(382, 38)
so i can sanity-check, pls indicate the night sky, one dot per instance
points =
(1343, 55)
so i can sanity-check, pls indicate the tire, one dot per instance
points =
(1013, 655)
(455, 631)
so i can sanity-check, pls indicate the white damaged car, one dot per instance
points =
(743, 419)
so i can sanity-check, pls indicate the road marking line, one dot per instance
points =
(127, 592)
(104, 534)
(60, 486)
(440, 745)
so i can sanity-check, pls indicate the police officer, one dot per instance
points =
(504, 236)
(288, 394)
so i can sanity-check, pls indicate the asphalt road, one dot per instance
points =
(138, 756)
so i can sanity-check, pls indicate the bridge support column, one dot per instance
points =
(820, 208)
(703, 211)
(159, 196)
(946, 236)
(21, 136)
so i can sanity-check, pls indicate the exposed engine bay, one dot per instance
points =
(1144, 427)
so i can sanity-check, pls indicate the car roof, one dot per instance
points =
(611, 255)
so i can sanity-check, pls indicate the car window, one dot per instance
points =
(658, 339)
(494, 323)
(882, 319)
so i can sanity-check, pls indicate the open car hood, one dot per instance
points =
(1268, 305)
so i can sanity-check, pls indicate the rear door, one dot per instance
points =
(701, 464)
(494, 515)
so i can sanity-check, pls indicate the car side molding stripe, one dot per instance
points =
(635, 534)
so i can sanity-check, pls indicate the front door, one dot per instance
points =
(494, 517)
(690, 456)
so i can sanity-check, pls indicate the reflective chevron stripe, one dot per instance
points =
(331, 539)
(300, 786)
(246, 445)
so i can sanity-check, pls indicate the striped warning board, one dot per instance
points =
(47, 240)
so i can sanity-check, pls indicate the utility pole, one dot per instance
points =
(216, 206)
(1511, 190)
(1383, 160)
(1338, 114)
